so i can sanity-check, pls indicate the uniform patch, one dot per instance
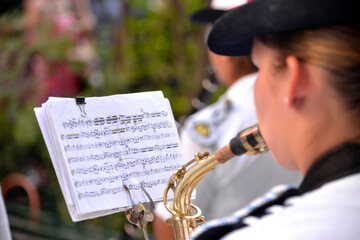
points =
(202, 129)
(203, 126)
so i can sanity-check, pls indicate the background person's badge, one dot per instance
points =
(203, 132)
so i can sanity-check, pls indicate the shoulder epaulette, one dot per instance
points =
(203, 126)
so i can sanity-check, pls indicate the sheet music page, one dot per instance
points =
(124, 139)
(42, 120)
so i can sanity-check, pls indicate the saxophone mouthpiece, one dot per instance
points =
(248, 141)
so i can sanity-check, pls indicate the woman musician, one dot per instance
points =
(307, 99)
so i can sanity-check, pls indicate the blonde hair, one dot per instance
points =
(334, 48)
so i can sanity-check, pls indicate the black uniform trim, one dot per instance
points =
(339, 162)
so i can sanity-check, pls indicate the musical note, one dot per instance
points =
(114, 119)
(111, 143)
(101, 180)
(160, 158)
(123, 139)
(115, 190)
(151, 148)
(111, 168)
(105, 151)
(106, 132)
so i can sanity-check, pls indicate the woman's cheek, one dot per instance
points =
(263, 108)
(259, 103)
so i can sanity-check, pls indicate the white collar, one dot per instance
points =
(244, 86)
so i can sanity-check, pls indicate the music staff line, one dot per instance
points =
(132, 162)
(125, 152)
(125, 176)
(107, 168)
(114, 119)
(120, 142)
(102, 133)
(107, 191)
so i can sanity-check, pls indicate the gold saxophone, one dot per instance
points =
(186, 216)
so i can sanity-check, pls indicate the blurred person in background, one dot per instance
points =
(232, 185)
(61, 32)
(308, 108)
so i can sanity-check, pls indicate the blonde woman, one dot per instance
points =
(308, 108)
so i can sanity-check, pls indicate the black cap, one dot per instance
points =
(233, 33)
(206, 15)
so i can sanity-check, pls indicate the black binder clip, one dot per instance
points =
(80, 101)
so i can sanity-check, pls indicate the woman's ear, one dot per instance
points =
(297, 84)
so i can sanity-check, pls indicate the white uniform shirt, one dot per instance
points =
(330, 212)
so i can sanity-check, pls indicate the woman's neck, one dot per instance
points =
(318, 138)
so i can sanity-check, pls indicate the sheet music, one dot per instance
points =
(124, 139)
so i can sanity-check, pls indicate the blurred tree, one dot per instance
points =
(157, 48)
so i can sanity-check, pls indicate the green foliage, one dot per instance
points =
(14, 59)
(15, 85)
(55, 47)
(156, 48)
(52, 46)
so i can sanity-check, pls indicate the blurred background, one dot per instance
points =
(91, 48)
